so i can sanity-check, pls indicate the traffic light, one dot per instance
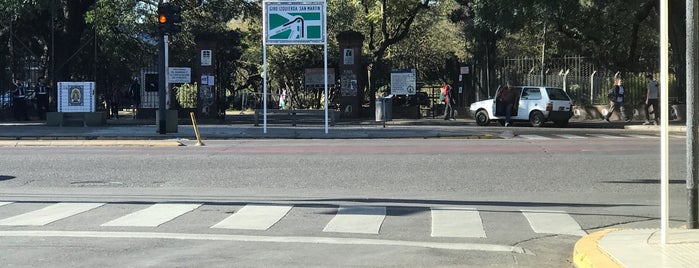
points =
(169, 18)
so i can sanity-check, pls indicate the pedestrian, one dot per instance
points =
(282, 100)
(447, 96)
(616, 101)
(135, 97)
(42, 98)
(652, 100)
(507, 98)
(19, 97)
(114, 103)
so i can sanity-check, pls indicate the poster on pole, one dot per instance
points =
(295, 22)
(403, 82)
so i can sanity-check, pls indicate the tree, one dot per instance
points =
(388, 23)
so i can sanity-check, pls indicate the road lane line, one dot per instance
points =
(4, 203)
(49, 214)
(570, 136)
(641, 136)
(153, 216)
(534, 137)
(553, 222)
(271, 239)
(254, 217)
(456, 222)
(357, 219)
(605, 136)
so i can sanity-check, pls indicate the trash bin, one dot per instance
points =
(384, 108)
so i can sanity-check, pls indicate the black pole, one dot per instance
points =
(692, 25)
(161, 85)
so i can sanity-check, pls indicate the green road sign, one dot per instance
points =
(295, 23)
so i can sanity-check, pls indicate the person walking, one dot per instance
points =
(135, 97)
(282, 100)
(114, 103)
(507, 97)
(616, 101)
(448, 109)
(652, 100)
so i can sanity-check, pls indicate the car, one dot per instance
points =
(534, 104)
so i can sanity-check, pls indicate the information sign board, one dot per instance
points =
(292, 22)
(403, 82)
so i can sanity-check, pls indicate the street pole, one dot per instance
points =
(161, 84)
(664, 82)
(692, 120)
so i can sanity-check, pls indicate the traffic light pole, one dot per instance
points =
(162, 82)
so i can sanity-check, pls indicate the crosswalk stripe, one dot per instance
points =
(605, 136)
(456, 222)
(153, 216)
(641, 136)
(357, 219)
(553, 222)
(49, 214)
(4, 203)
(535, 137)
(571, 136)
(254, 217)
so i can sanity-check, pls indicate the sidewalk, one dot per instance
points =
(638, 248)
(608, 248)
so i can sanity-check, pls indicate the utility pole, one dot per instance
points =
(692, 24)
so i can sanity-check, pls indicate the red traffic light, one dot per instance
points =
(162, 19)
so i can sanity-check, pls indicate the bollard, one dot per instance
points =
(196, 129)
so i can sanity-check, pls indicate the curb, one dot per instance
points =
(123, 143)
(587, 253)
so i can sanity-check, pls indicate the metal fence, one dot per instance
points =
(584, 81)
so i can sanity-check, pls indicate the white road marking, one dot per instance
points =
(254, 217)
(553, 222)
(357, 219)
(534, 137)
(269, 239)
(49, 214)
(641, 136)
(4, 203)
(605, 136)
(571, 136)
(153, 216)
(456, 222)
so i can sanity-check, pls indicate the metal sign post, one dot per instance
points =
(664, 83)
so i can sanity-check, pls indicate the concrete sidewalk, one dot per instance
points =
(638, 248)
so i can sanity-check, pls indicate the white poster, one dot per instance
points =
(76, 97)
(403, 82)
(348, 56)
(206, 58)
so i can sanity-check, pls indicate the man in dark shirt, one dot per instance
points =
(507, 97)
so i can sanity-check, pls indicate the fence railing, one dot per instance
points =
(584, 81)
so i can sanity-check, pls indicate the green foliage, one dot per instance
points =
(186, 95)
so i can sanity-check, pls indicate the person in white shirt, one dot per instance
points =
(652, 100)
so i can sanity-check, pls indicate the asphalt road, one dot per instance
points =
(417, 194)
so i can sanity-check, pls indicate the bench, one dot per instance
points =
(295, 115)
